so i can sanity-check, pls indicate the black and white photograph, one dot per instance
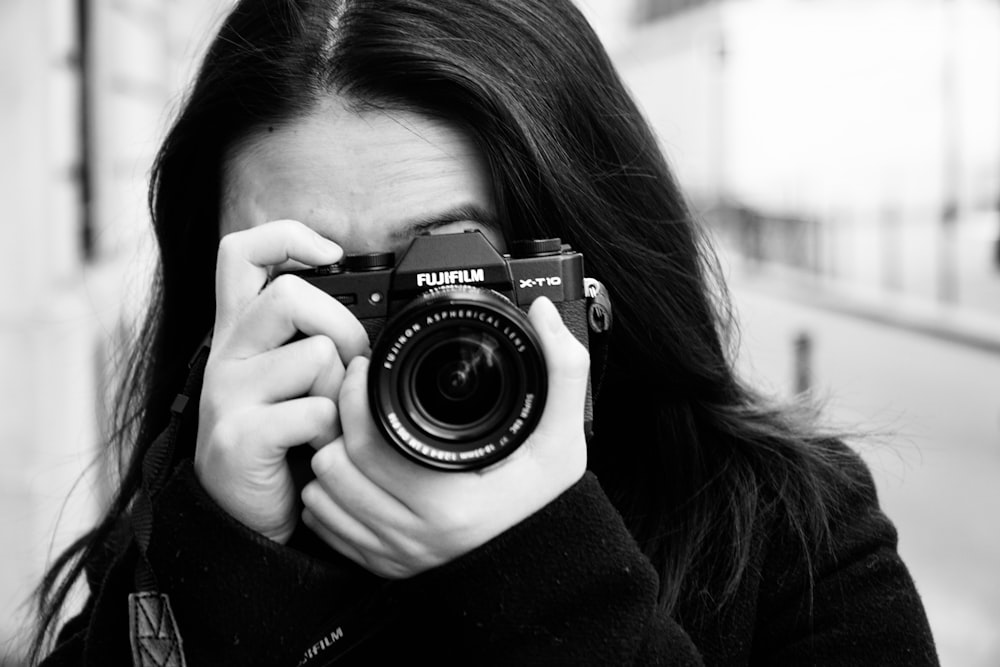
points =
(500, 332)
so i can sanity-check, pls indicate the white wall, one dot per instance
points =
(863, 116)
(826, 103)
(58, 309)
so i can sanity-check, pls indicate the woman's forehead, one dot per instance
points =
(354, 176)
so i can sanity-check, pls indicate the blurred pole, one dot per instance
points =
(891, 220)
(947, 288)
(721, 100)
(802, 350)
(996, 243)
(85, 105)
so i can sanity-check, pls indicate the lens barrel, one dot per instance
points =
(457, 378)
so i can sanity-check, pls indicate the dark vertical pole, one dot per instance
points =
(85, 118)
(802, 366)
(996, 244)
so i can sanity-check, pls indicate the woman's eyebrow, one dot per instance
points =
(464, 212)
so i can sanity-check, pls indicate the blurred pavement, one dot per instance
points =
(932, 406)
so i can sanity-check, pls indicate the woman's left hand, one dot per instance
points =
(397, 519)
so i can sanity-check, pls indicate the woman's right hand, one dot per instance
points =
(263, 394)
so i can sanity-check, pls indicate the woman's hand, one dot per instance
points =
(262, 394)
(398, 519)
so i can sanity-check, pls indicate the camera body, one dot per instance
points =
(457, 378)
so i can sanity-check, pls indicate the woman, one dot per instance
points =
(708, 528)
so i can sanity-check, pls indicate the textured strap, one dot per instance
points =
(155, 639)
(156, 468)
(153, 632)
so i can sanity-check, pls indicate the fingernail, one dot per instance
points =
(326, 244)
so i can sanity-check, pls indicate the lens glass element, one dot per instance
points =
(461, 382)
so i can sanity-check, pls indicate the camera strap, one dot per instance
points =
(599, 320)
(155, 639)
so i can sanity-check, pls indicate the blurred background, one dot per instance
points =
(845, 154)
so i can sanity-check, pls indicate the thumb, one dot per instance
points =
(353, 397)
(568, 365)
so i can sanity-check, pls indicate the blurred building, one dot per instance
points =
(855, 142)
(86, 87)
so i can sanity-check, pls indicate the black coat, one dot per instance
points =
(567, 586)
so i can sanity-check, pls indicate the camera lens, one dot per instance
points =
(459, 387)
(457, 378)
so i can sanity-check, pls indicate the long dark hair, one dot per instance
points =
(686, 452)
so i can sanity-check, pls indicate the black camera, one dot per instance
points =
(457, 378)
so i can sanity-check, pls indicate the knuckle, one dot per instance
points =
(210, 409)
(230, 245)
(311, 495)
(320, 463)
(324, 461)
(225, 435)
(222, 386)
(283, 287)
(322, 351)
(324, 410)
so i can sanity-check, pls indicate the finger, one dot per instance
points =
(349, 486)
(288, 306)
(568, 365)
(245, 256)
(267, 432)
(365, 446)
(329, 514)
(307, 367)
(334, 539)
(354, 398)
